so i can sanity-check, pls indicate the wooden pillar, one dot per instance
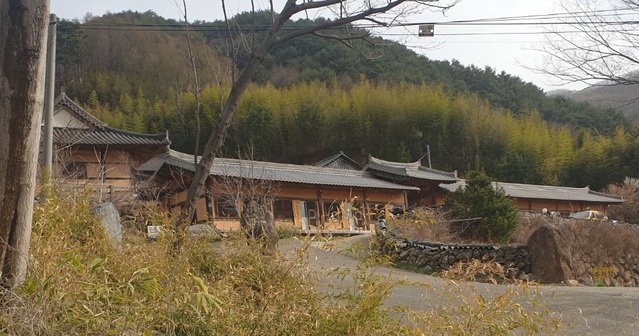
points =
(433, 198)
(405, 200)
(320, 208)
(366, 210)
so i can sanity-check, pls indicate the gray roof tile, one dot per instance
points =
(279, 172)
(532, 191)
(331, 161)
(413, 170)
(99, 133)
(105, 136)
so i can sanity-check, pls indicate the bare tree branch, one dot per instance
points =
(594, 48)
(196, 89)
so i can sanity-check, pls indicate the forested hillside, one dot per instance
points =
(622, 98)
(314, 97)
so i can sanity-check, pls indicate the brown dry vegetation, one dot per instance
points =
(78, 284)
(587, 243)
(628, 211)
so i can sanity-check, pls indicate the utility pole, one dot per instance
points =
(47, 143)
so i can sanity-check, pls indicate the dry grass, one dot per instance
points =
(426, 224)
(78, 284)
(516, 308)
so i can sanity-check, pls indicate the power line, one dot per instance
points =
(498, 21)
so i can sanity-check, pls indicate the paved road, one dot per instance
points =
(590, 310)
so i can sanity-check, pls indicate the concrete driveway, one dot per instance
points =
(588, 310)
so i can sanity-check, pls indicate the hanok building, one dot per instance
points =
(562, 200)
(413, 174)
(303, 197)
(88, 151)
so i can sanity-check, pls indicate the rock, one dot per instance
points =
(271, 238)
(549, 262)
(403, 255)
(110, 219)
(465, 255)
(586, 280)
(572, 282)
(202, 230)
(627, 276)
(415, 251)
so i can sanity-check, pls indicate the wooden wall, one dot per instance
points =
(316, 198)
(109, 172)
(563, 207)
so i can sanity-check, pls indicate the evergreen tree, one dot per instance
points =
(479, 199)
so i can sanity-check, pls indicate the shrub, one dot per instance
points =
(424, 224)
(628, 211)
(497, 212)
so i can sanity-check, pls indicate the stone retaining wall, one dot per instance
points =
(430, 256)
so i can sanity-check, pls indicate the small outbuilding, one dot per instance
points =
(88, 151)
(561, 200)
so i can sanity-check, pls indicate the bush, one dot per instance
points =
(497, 212)
(628, 211)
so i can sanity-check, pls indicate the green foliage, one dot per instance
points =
(479, 199)
(315, 97)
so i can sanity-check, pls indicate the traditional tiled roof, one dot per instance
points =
(339, 160)
(106, 136)
(413, 170)
(532, 191)
(278, 172)
(98, 132)
(91, 121)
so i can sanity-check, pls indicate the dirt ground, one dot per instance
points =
(588, 310)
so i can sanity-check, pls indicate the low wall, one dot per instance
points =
(431, 256)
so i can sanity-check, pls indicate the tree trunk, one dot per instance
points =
(216, 138)
(23, 27)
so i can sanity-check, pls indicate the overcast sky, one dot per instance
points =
(511, 53)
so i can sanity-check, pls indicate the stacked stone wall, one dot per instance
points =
(430, 256)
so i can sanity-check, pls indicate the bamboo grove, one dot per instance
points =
(309, 121)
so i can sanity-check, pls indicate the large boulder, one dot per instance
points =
(202, 230)
(550, 262)
(110, 219)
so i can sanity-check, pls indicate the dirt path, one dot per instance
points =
(589, 310)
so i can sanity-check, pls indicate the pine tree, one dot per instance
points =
(479, 199)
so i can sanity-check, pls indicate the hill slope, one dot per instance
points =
(622, 98)
(148, 62)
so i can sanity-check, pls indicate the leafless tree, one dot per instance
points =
(23, 27)
(595, 43)
(196, 87)
(344, 12)
(246, 186)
